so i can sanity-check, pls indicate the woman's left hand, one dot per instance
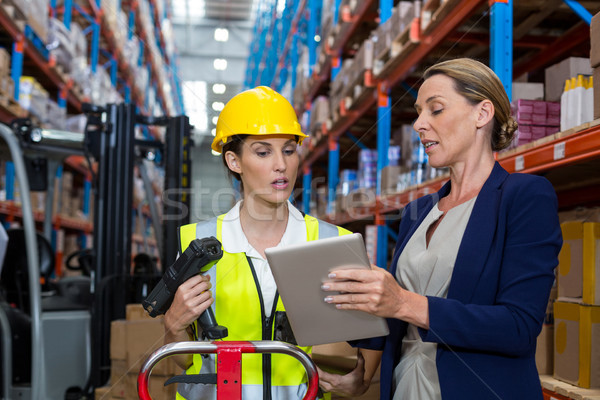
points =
(351, 384)
(376, 292)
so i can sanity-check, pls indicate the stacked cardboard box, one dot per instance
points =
(557, 74)
(577, 309)
(131, 343)
(319, 115)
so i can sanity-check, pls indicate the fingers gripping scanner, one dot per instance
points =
(198, 258)
(229, 368)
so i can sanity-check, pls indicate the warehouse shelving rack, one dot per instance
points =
(102, 49)
(448, 24)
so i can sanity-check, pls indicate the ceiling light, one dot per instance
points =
(215, 153)
(214, 131)
(215, 120)
(317, 38)
(220, 64)
(219, 88)
(218, 105)
(221, 34)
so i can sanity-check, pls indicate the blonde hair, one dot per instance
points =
(477, 82)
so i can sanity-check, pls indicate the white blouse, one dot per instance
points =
(427, 270)
(235, 241)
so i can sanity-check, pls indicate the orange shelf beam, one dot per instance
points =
(578, 147)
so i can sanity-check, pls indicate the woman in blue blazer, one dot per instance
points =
(495, 235)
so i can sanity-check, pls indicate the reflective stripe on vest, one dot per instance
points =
(238, 306)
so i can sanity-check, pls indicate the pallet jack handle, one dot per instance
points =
(229, 365)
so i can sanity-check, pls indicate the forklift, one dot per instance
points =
(55, 336)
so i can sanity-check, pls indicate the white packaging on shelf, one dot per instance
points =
(79, 41)
(60, 43)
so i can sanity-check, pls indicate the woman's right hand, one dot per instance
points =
(191, 299)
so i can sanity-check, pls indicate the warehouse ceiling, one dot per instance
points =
(212, 39)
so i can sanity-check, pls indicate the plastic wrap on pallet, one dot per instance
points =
(60, 44)
(406, 12)
(142, 78)
(167, 33)
(38, 21)
(109, 12)
(55, 115)
(382, 37)
(131, 51)
(80, 46)
(341, 80)
(363, 61)
(80, 70)
(319, 113)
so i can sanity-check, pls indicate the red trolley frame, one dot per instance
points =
(229, 365)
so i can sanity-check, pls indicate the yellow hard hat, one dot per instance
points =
(258, 111)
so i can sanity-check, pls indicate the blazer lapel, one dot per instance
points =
(478, 237)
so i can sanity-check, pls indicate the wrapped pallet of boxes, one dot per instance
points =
(577, 343)
(37, 21)
(132, 342)
(319, 114)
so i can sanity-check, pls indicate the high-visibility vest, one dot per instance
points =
(239, 306)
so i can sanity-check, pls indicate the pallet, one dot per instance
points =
(553, 386)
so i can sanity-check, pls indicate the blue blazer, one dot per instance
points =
(486, 328)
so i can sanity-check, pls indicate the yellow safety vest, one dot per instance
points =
(239, 306)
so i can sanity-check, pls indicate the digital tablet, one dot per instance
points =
(300, 269)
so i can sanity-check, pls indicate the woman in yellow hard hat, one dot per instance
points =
(258, 134)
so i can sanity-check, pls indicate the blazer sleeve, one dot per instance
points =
(512, 323)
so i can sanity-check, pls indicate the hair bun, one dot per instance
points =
(510, 126)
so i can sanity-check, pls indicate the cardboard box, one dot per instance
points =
(591, 263)
(143, 338)
(136, 312)
(595, 41)
(557, 74)
(118, 340)
(337, 358)
(103, 393)
(544, 353)
(579, 262)
(390, 179)
(570, 260)
(371, 394)
(527, 91)
(583, 214)
(577, 344)
(118, 378)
